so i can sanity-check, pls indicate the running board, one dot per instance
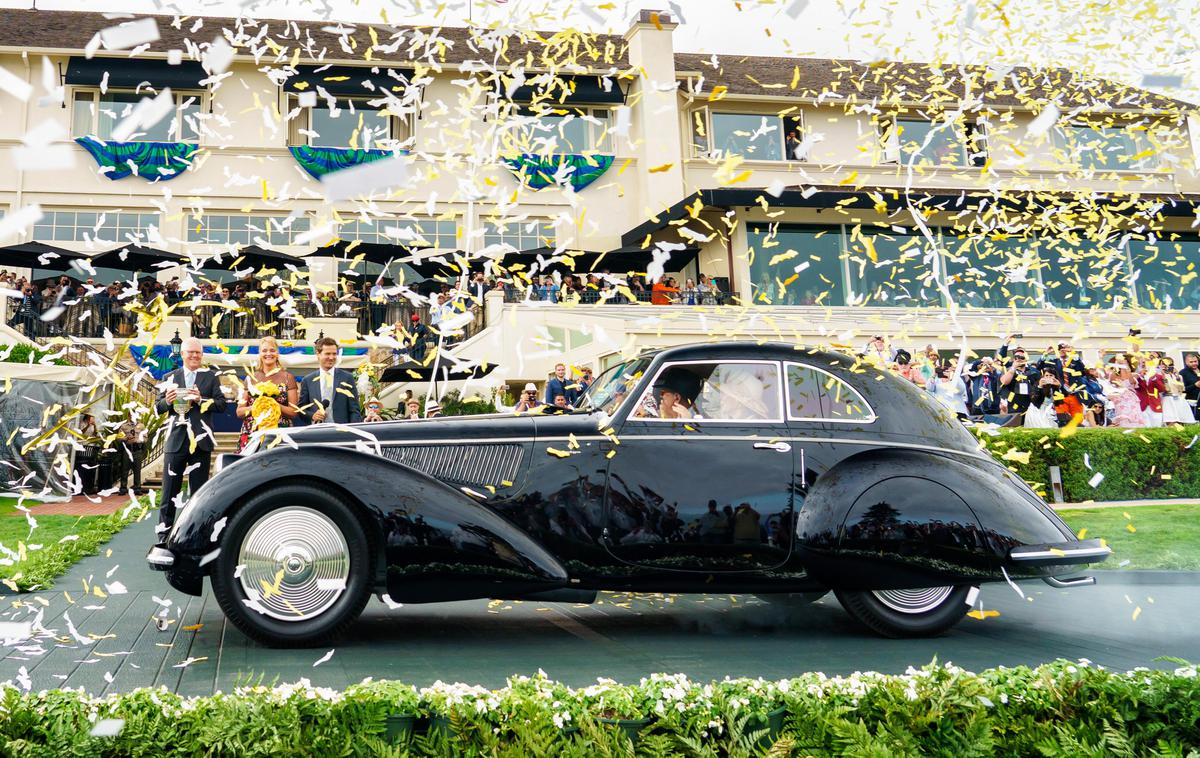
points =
(1066, 584)
(563, 595)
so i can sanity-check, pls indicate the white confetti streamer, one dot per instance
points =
(323, 658)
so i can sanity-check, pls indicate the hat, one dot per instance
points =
(415, 317)
(432, 405)
(530, 387)
(375, 401)
(681, 381)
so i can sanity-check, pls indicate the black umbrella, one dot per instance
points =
(371, 252)
(137, 258)
(38, 255)
(253, 256)
(619, 261)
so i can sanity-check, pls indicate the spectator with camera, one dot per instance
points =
(1019, 382)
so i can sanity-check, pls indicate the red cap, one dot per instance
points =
(415, 317)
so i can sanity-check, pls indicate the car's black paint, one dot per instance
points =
(509, 506)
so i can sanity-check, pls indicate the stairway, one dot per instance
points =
(226, 443)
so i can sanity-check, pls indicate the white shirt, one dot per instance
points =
(189, 379)
(325, 381)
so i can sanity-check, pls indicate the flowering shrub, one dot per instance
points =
(1059, 709)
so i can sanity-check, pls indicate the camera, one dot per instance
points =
(1134, 332)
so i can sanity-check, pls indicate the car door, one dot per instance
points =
(710, 493)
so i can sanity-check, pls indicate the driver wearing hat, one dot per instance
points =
(676, 390)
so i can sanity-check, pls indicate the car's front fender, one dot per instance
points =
(436, 542)
(905, 518)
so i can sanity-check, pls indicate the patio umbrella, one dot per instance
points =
(137, 258)
(37, 255)
(413, 371)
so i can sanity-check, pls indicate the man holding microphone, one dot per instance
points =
(328, 395)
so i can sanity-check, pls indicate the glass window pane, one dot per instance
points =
(740, 391)
(896, 270)
(843, 403)
(752, 136)
(333, 131)
(1105, 148)
(987, 273)
(796, 266)
(929, 144)
(82, 114)
(1084, 274)
(805, 395)
(189, 126)
(1165, 274)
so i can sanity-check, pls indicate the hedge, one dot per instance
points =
(1057, 709)
(26, 353)
(1136, 463)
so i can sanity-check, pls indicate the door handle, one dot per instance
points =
(779, 447)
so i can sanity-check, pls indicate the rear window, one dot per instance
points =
(815, 395)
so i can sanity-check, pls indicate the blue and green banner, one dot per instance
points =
(153, 161)
(319, 161)
(574, 171)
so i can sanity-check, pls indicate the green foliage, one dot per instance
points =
(27, 353)
(39, 570)
(1058, 709)
(453, 404)
(1137, 463)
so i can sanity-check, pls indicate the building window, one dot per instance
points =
(425, 232)
(1084, 274)
(348, 122)
(893, 270)
(1106, 148)
(100, 226)
(1165, 275)
(522, 235)
(97, 114)
(753, 136)
(924, 143)
(238, 229)
(565, 131)
(796, 266)
(992, 273)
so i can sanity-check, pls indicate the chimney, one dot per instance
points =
(655, 126)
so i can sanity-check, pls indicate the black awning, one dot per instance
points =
(830, 196)
(252, 256)
(347, 81)
(579, 90)
(37, 255)
(420, 372)
(371, 252)
(128, 73)
(620, 261)
(137, 258)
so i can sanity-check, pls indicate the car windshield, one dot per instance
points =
(610, 388)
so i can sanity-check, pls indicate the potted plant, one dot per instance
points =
(537, 700)
(442, 702)
(622, 705)
(756, 701)
(397, 703)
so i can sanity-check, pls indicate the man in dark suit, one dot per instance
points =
(1191, 382)
(190, 439)
(328, 395)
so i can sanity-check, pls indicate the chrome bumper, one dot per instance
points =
(160, 559)
(1060, 553)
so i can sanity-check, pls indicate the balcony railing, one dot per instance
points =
(612, 297)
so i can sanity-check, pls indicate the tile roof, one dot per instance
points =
(897, 81)
(71, 30)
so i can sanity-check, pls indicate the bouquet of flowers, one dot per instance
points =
(265, 408)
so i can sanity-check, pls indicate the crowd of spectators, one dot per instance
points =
(603, 287)
(1052, 387)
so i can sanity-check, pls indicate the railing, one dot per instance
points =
(244, 320)
(537, 294)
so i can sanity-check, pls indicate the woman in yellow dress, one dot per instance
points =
(270, 395)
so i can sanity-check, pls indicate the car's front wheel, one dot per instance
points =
(294, 567)
(922, 612)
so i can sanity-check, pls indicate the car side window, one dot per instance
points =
(714, 391)
(817, 396)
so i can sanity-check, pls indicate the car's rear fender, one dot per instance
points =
(429, 532)
(887, 519)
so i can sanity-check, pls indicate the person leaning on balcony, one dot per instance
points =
(662, 290)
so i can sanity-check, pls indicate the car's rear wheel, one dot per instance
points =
(921, 612)
(294, 566)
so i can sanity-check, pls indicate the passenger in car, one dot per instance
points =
(742, 397)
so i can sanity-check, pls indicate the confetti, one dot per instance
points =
(323, 659)
(107, 727)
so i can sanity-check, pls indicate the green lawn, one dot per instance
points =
(1165, 536)
(14, 529)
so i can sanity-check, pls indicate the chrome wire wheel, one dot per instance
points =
(915, 601)
(294, 563)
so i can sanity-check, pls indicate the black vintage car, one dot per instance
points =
(729, 467)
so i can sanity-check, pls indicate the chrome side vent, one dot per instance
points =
(461, 464)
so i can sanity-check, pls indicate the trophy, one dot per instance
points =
(183, 402)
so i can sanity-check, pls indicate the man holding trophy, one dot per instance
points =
(192, 395)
